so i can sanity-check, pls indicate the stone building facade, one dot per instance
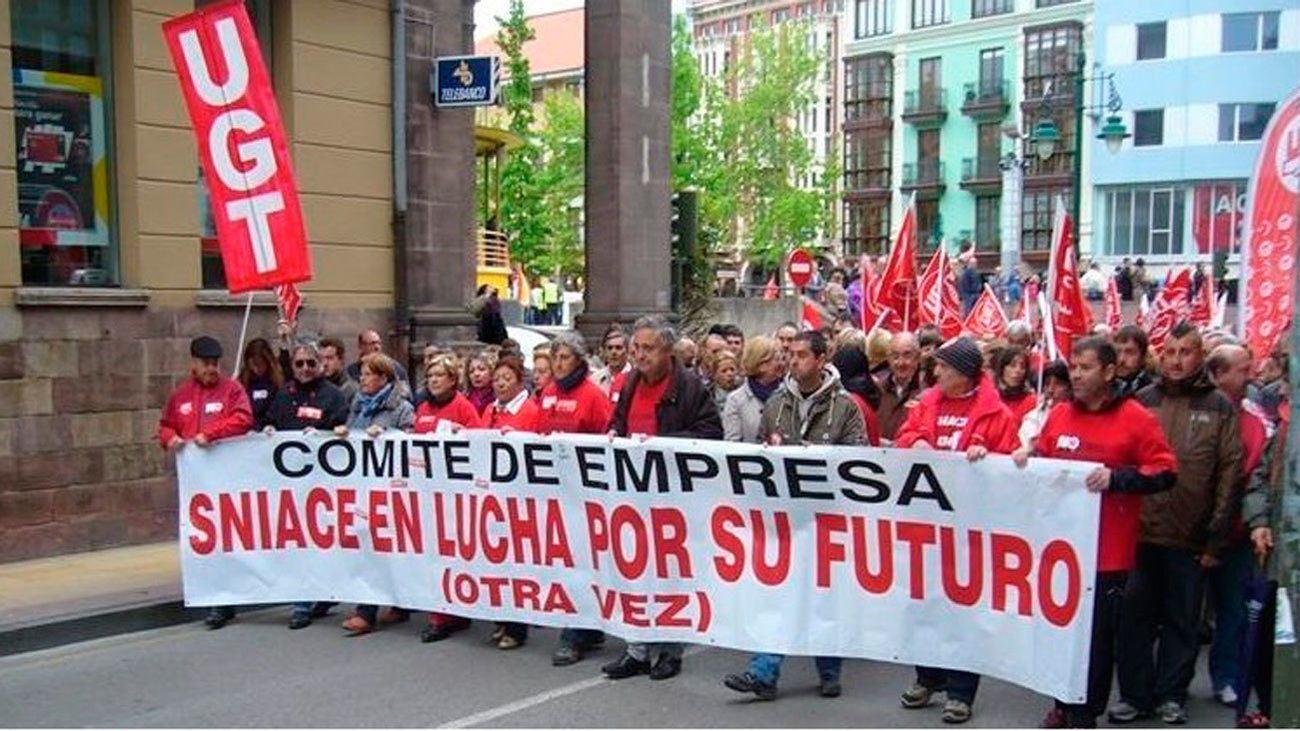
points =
(106, 262)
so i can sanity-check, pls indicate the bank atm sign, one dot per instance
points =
(466, 81)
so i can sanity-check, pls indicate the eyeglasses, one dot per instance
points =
(304, 364)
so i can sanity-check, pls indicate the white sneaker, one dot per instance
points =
(1227, 696)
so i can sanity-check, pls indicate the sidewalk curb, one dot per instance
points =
(43, 635)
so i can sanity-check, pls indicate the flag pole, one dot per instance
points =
(243, 331)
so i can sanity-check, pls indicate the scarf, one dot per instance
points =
(371, 405)
(1013, 394)
(481, 398)
(440, 401)
(571, 381)
(763, 391)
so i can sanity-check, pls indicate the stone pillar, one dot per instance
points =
(439, 228)
(627, 198)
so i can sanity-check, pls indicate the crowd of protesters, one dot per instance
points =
(1190, 439)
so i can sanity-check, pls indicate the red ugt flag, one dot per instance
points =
(290, 301)
(898, 283)
(1114, 312)
(1170, 306)
(1070, 318)
(987, 316)
(242, 146)
(939, 304)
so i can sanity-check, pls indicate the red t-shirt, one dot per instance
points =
(458, 411)
(1124, 436)
(584, 410)
(1020, 407)
(951, 420)
(641, 416)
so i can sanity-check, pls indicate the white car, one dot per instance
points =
(528, 338)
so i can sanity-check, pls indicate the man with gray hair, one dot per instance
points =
(307, 401)
(659, 399)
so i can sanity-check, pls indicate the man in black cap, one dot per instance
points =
(208, 406)
(962, 412)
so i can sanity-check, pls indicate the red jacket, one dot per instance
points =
(870, 424)
(217, 412)
(584, 410)
(457, 411)
(526, 417)
(1022, 406)
(989, 422)
(1127, 438)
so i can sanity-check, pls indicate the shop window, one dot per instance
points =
(1148, 127)
(63, 137)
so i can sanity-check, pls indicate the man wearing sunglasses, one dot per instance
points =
(307, 401)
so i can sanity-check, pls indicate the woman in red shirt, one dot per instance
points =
(513, 409)
(478, 381)
(444, 410)
(1011, 375)
(573, 404)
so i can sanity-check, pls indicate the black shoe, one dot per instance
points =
(666, 668)
(829, 689)
(218, 617)
(625, 667)
(298, 621)
(747, 683)
(320, 610)
(566, 655)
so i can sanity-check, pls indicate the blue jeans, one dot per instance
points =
(1227, 586)
(307, 607)
(958, 685)
(766, 667)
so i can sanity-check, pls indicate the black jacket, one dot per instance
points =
(686, 409)
(1131, 386)
(318, 404)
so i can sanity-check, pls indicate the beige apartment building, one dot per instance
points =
(108, 265)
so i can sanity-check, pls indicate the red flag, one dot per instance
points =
(1170, 306)
(242, 146)
(770, 292)
(1202, 313)
(937, 296)
(1268, 254)
(1070, 318)
(898, 283)
(1114, 313)
(871, 308)
(987, 316)
(290, 300)
(812, 317)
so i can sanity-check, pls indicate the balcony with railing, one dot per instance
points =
(926, 107)
(981, 175)
(925, 177)
(987, 101)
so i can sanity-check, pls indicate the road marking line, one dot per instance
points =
(531, 701)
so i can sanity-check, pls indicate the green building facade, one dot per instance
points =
(932, 88)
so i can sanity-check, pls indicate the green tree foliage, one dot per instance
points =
(736, 138)
(522, 216)
(561, 181)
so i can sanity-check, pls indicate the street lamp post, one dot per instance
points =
(1043, 142)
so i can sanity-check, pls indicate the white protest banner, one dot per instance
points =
(906, 556)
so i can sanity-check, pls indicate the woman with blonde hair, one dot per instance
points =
(763, 366)
(478, 380)
(726, 377)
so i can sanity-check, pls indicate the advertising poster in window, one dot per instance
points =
(62, 172)
(1220, 209)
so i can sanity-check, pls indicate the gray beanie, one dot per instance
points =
(963, 355)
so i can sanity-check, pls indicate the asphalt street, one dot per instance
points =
(256, 672)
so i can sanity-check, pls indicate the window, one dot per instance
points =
(1148, 127)
(988, 211)
(1151, 40)
(1050, 3)
(1243, 122)
(869, 88)
(985, 8)
(1051, 58)
(989, 150)
(928, 227)
(931, 73)
(990, 73)
(866, 227)
(1218, 211)
(780, 16)
(927, 149)
(1036, 218)
(867, 159)
(926, 13)
(213, 271)
(62, 135)
(872, 18)
(1250, 31)
(1144, 221)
